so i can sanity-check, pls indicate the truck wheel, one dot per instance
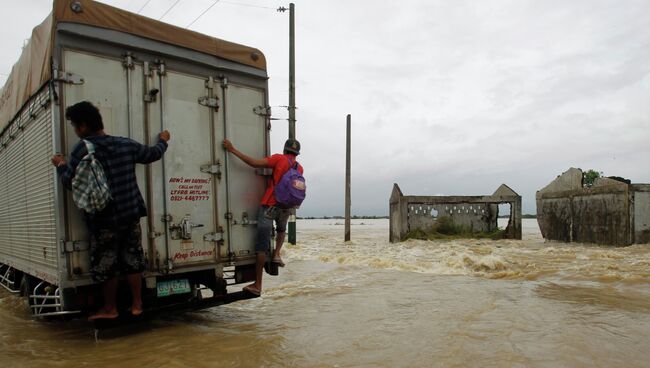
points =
(26, 289)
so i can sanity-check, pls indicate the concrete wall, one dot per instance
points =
(554, 217)
(602, 217)
(476, 216)
(397, 219)
(569, 180)
(610, 212)
(479, 213)
(641, 213)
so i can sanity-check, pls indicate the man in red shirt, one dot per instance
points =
(280, 163)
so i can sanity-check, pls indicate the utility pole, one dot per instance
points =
(292, 69)
(292, 100)
(348, 141)
(292, 104)
(292, 72)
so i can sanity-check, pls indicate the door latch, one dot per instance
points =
(212, 169)
(212, 102)
(184, 229)
(262, 110)
(245, 221)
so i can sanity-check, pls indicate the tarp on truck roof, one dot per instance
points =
(33, 68)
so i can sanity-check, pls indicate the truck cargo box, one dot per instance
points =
(144, 76)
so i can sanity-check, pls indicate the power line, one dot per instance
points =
(170, 8)
(143, 6)
(226, 2)
(205, 11)
(247, 5)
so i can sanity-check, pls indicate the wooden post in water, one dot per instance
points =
(347, 178)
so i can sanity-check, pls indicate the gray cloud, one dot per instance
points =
(447, 97)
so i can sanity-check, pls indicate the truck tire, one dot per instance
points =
(26, 289)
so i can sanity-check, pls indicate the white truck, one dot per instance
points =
(144, 76)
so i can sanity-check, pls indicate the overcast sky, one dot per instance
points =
(447, 97)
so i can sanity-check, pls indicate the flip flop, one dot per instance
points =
(252, 290)
(278, 261)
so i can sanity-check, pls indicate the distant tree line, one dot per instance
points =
(526, 216)
(355, 217)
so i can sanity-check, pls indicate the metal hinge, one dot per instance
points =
(128, 61)
(262, 110)
(162, 70)
(228, 215)
(65, 77)
(170, 264)
(166, 218)
(155, 234)
(209, 102)
(76, 246)
(224, 81)
(209, 83)
(146, 69)
(213, 237)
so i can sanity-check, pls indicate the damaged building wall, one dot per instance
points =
(478, 213)
(641, 213)
(473, 214)
(609, 212)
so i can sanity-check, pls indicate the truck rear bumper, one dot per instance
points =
(170, 309)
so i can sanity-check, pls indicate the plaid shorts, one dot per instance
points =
(116, 251)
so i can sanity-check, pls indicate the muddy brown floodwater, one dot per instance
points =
(369, 303)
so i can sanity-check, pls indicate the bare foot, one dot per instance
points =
(104, 314)
(253, 290)
(136, 309)
(278, 261)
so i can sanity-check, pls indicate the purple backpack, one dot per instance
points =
(290, 191)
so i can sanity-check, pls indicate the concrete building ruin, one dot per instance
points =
(609, 212)
(479, 213)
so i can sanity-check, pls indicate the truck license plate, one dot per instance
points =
(173, 287)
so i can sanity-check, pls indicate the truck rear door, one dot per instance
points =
(202, 203)
(187, 199)
(209, 207)
(245, 126)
